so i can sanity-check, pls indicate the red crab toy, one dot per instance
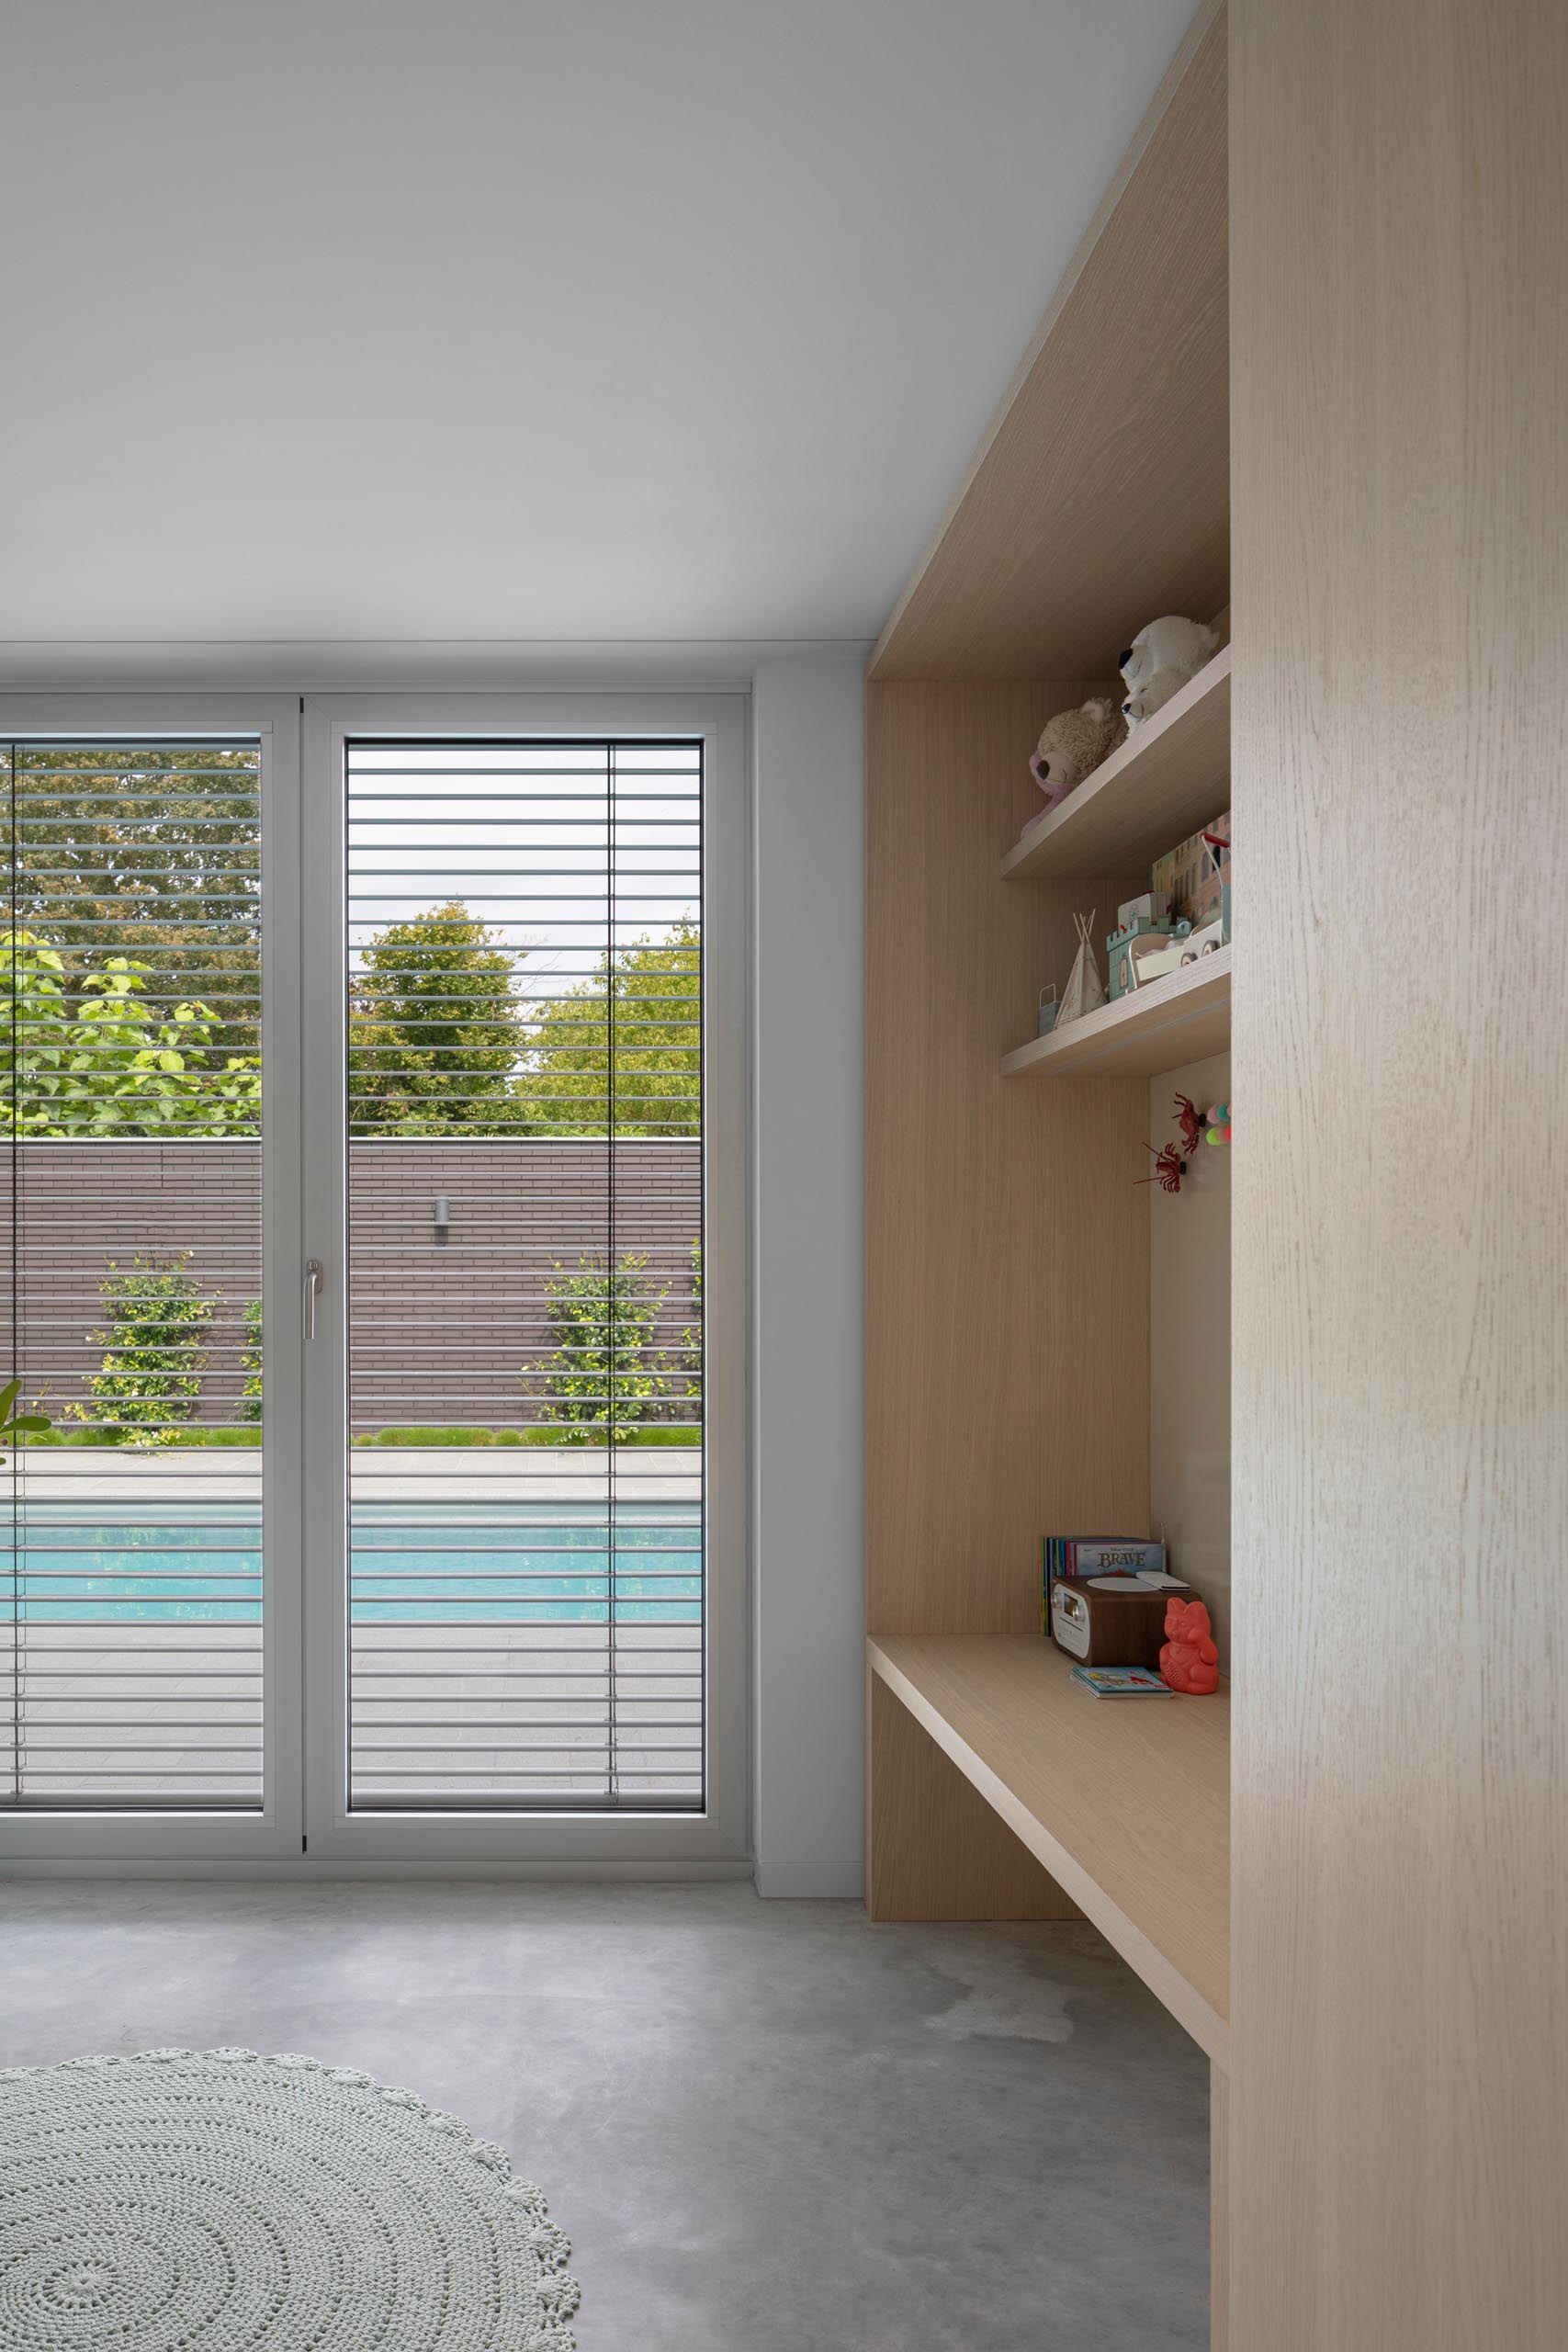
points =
(1188, 1661)
(1169, 1169)
(1190, 1123)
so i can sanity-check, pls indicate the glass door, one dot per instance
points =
(526, 1525)
(372, 1280)
(147, 1593)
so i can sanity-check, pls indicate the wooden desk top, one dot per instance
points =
(1126, 1801)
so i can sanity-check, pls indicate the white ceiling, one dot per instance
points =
(480, 319)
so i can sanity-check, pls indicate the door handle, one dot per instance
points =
(315, 1276)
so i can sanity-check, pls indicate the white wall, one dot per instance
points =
(808, 1498)
(1190, 1348)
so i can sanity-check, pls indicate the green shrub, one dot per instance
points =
(680, 1368)
(655, 1433)
(251, 1361)
(55, 1435)
(108, 1434)
(602, 1379)
(433, 1437)
(646, 1433)
(156, 1318)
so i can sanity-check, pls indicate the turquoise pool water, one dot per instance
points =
(447, 1562)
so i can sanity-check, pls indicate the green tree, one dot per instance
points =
(250, 1358)
(600, 1382)
(156, 1318)
(435, 1029)
(154, 851)
(637, 1021)
(680, 1368)
(110, 1065)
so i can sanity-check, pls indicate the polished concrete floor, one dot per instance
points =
(766, 2127)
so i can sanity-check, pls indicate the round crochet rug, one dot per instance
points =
(212, 2201)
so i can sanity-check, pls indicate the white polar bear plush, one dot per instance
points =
(1159, 662)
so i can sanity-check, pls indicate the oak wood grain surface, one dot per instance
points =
(1007, 1238)
(1399, 2098)
(1181, 1018)
(935, 1850)
(1169, 777)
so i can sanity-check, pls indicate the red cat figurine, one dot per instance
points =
(1188, 1661)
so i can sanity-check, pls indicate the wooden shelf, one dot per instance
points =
(1100, 494)
(1125, 1801)
(1179, 1019)
(1169, 779)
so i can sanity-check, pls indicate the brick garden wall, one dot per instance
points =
(439, 1332)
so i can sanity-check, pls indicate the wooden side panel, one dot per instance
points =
(934, 1848)
(1007, 1236)
(1219, 2211)
(1399, 2095)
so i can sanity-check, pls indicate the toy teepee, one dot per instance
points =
(1085, 992)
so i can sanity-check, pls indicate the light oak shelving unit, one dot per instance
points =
(1166, 781)
(1008, 1238)
(1177, 1019)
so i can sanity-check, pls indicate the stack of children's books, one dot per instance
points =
(1100, 1555)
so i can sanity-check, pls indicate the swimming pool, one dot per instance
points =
(502, 1562)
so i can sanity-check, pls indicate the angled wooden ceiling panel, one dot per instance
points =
(1100, 497)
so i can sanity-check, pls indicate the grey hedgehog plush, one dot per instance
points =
(1072, 745)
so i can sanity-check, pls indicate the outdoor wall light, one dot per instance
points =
(441, 1218)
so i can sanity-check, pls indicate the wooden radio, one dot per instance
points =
(1113, 1621)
